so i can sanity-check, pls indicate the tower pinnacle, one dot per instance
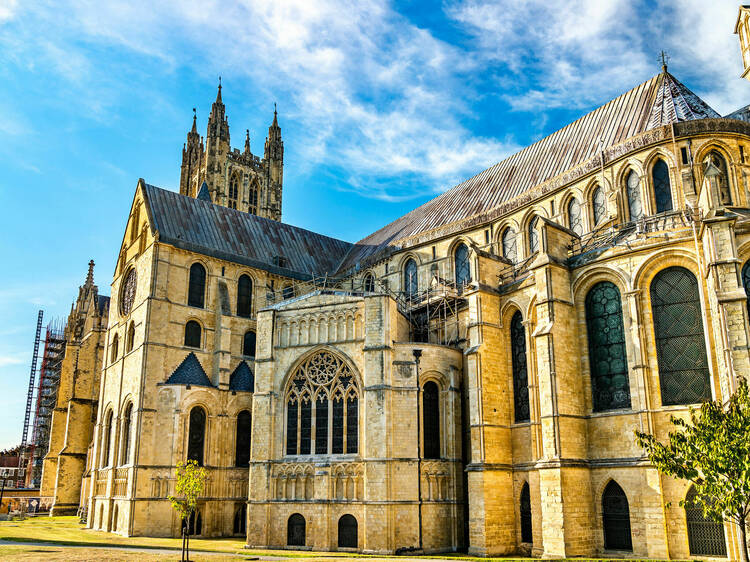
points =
(218, 95)
(90, 275)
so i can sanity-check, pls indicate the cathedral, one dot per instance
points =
(467, 378)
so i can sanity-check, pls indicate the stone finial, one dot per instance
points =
(90, 274)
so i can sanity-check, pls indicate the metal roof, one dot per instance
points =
(659, 101)
(190, 371)
(242, 379)
(218, 231)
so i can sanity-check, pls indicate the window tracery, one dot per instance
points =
(411, 286)
(127, 294)
(322, 392)
(533, 236)
(574, 216)
(633, 189)
(462, 267)
(509, 245)
(233, 191)
(599, 203)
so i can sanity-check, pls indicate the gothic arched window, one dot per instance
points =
(369, 283)
(252, 198)
(705, 536)
(662, 186)
(130, 338)
(287, 292)
(533, 236)
(127, 293)
(192, 334)
(608, 362)
(715, 169)
(431, 420)
(248, 344)
(242, 445)
(197, 286)
(746, 282)
(196, 435)
(633, 191)
(526, 529)
(411, 286)
(234, 185)
(574, 216)
(509, 245)
(323, 389)
(115, 348)
(616, 515)
(599, 205)
(461, 265)
(520, 369)
(125, 439)
(106, 438)
(680, 341)
(295, 530)
(244, 296)
(347, 531)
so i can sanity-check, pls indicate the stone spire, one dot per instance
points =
(90, 275)
(247, 141)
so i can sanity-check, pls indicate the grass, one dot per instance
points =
(68, 532)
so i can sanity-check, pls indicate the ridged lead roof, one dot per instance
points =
(218, 231)
(659, 101)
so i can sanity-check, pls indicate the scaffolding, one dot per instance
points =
(434, 315)
(23, 458)
(49, 381)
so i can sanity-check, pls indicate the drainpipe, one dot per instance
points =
(417, 355)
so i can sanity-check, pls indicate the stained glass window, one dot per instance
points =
(411, 287)
(242, 442)
(196, 435)
(244, 296)
(533, 236)
(197, 286)
(633, 188)
(574, 216)
(705, 536)
(192, 334)
(662, 187)
(369, 283)
(746, 283)
(526, 530)
(331, 381)
(608, 363)
(509, 245)
(520, 369)
(431, 420)
(599, 203)
(616, 518)
(127, 293)
(461, 264)
(680, 342)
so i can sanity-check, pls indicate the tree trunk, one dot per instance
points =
(182, 553)
(187, 550)
(743, 540)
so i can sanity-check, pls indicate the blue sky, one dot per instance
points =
(382, 105)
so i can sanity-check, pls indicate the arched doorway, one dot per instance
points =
(295, 530)
(347, 531)
(616, 515)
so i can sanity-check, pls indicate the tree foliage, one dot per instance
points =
(191, 479)
(711, 450)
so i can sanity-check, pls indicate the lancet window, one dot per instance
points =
(680, 341)
(252, 198)
(244, 296)
(633, 189)
(662, 187)
(574, 216)
(715, 165)
(533, 236)
(509, 245)
(233, 191)
(411, 286)
(599, 204)
(520, 369)
(461, 263)
(197, 285)
(322, 407)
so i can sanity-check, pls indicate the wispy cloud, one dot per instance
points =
(6, 360)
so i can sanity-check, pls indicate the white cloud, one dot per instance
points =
(6, 360)
(8, 9)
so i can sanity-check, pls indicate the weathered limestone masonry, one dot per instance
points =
(468, 377)
(72, 420)
(377, 483)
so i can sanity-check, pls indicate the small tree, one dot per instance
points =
(712, 451)
(191, 479)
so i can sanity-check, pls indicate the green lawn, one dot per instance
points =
(66, 531)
